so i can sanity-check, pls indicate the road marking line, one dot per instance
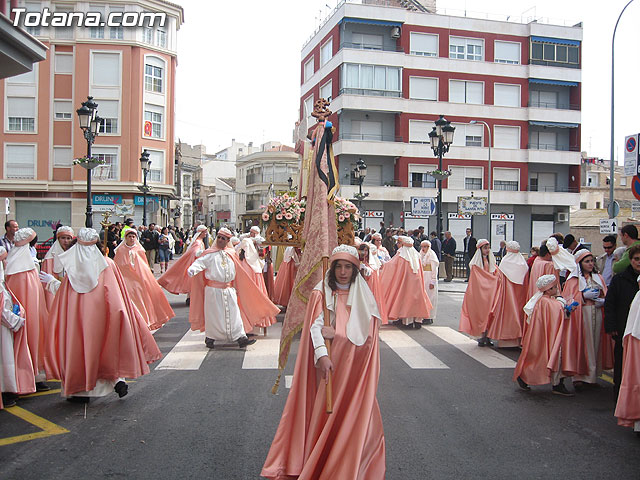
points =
(41, 394)
(263, 354)
(48, 428)
(413, 354)
(188, 353)
(606, 378)
(487, 356)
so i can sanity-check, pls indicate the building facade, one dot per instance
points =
(391, 71)
(594, 190)
(130, 72)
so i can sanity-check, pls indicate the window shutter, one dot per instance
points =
(21, 107)
(506, 95)
(506, 137)
(507, 52)
(422, 88)
(423, 43)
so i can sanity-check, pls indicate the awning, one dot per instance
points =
(554, 124)
(562, 83)
(559, 41)
(367, 21)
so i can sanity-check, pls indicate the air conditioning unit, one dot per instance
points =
(395, 32)
(563, 217)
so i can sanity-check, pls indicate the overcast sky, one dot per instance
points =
(239, 66)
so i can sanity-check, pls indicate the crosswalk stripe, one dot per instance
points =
(188, 353)
(263, 355)
(413, 354)
(487, 356)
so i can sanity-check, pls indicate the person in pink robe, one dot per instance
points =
(402, 282)
(542, 265)
(286, 276)
(175, 279)
(142, 286)
(22, 280)
(254, 266)
(50, 264)
(478, 298)
(506, 316)
(545, 313)
(98, 338)
(628, 404)
(348, 443)
(16, 370)
(370, 270)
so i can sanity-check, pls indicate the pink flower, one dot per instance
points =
(346, 215)
(265, 217)
(278, 216)
(288, 216)
(302, 209)
(341, 218)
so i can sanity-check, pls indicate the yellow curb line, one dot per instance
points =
(606, 378)
(48, 428)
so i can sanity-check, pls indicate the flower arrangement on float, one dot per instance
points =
(282, 219)
(347, 218)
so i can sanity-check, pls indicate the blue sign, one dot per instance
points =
(139, 199)
(99, 199)
(423, 206)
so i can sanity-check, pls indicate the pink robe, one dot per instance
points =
(507, 316)
(175, 279)
(534, 365)
(142, 286)
(29, 292)
(404, 290)
(477, 301)
(47, 267)
(628, 407)
(258, 279)
(98, 335)
(284, 283)
(25, 376)
(252, 303)
(348, 443)
(539, 268)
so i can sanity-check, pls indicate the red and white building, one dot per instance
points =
(390, 73)
(131, 74)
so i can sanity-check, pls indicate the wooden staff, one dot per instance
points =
(327, 342)
(105, 226)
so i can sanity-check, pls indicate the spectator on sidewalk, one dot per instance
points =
(449, 254)
(604, 262)
(149, 240)
(10, 227)
(629, 237)
(436, 245)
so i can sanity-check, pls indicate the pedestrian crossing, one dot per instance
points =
(190, 351)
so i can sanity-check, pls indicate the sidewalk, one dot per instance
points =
(457, 285)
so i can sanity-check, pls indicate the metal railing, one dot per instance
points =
(370, 91)
(555, 105)
(553, 147)
(556, 188)
(369, 137)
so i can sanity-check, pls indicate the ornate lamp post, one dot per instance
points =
(145, 165)
(441, 137)
(290, 182)
(473, 122)
(90, 125)
(360, 172)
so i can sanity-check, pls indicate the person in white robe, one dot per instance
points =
(430, 263)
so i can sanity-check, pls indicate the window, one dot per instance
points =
(507, 52)
(308, 109)
(63, 63)
(466, 178)
(308, 69)
(62, 110)
(422, 88)
(21, 113)
(326, 91)
(593, 179)
(506, 179)
(623, 181)
(156, 172)
(366, 130)
(154, 114)
(419, 178)
(186, 186)
(147, 35)
(367, 41)
(62, 157)
(109, 112)
(583, 205)
(371, 80)
(64, 33)
(461, 91)
(549, 52)
(326, 52)
(152, 78)
(542, 182)
(116, 33)
(33, 7)
(20, 161)
(97, 32)
(506, 95)
(506, 137)
(161, 38)
(423, 44)
(110, 157)
(542, 99)
(465, 48)
(106, 69)
(543, 140)
(468, 135)
(419, 131)
(26, 78)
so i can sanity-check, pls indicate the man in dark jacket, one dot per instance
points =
(469, 249)
(149, 240)
(436, 245)
(449, 255)
(622, 290)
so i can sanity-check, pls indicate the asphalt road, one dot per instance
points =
(464, 421)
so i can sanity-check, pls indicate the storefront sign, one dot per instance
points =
(373, 214)
(139, 199)
(503, 216)
(472, 205)
(100, 199)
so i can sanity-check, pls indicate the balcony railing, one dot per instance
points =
(553, 147)
(365, 46)
(555, 189)
(554, 105)
(369, 137)
(370, 91)
(223, 207)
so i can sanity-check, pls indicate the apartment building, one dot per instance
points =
(130, 72)
(391, 70)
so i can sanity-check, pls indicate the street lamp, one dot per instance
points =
(90, 125)
(360, 172)
(473, 122)
(145, 165)
(290, 182)
(441, 137)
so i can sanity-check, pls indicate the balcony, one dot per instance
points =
(553, 147)
(365, 46)
(370, 92)
(554, 105)
(369, 137)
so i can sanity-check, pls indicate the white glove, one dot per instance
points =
(599, 302)
(19, 324)
(562, 301)
(590, 293)
(46, 277)
(366, 271)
